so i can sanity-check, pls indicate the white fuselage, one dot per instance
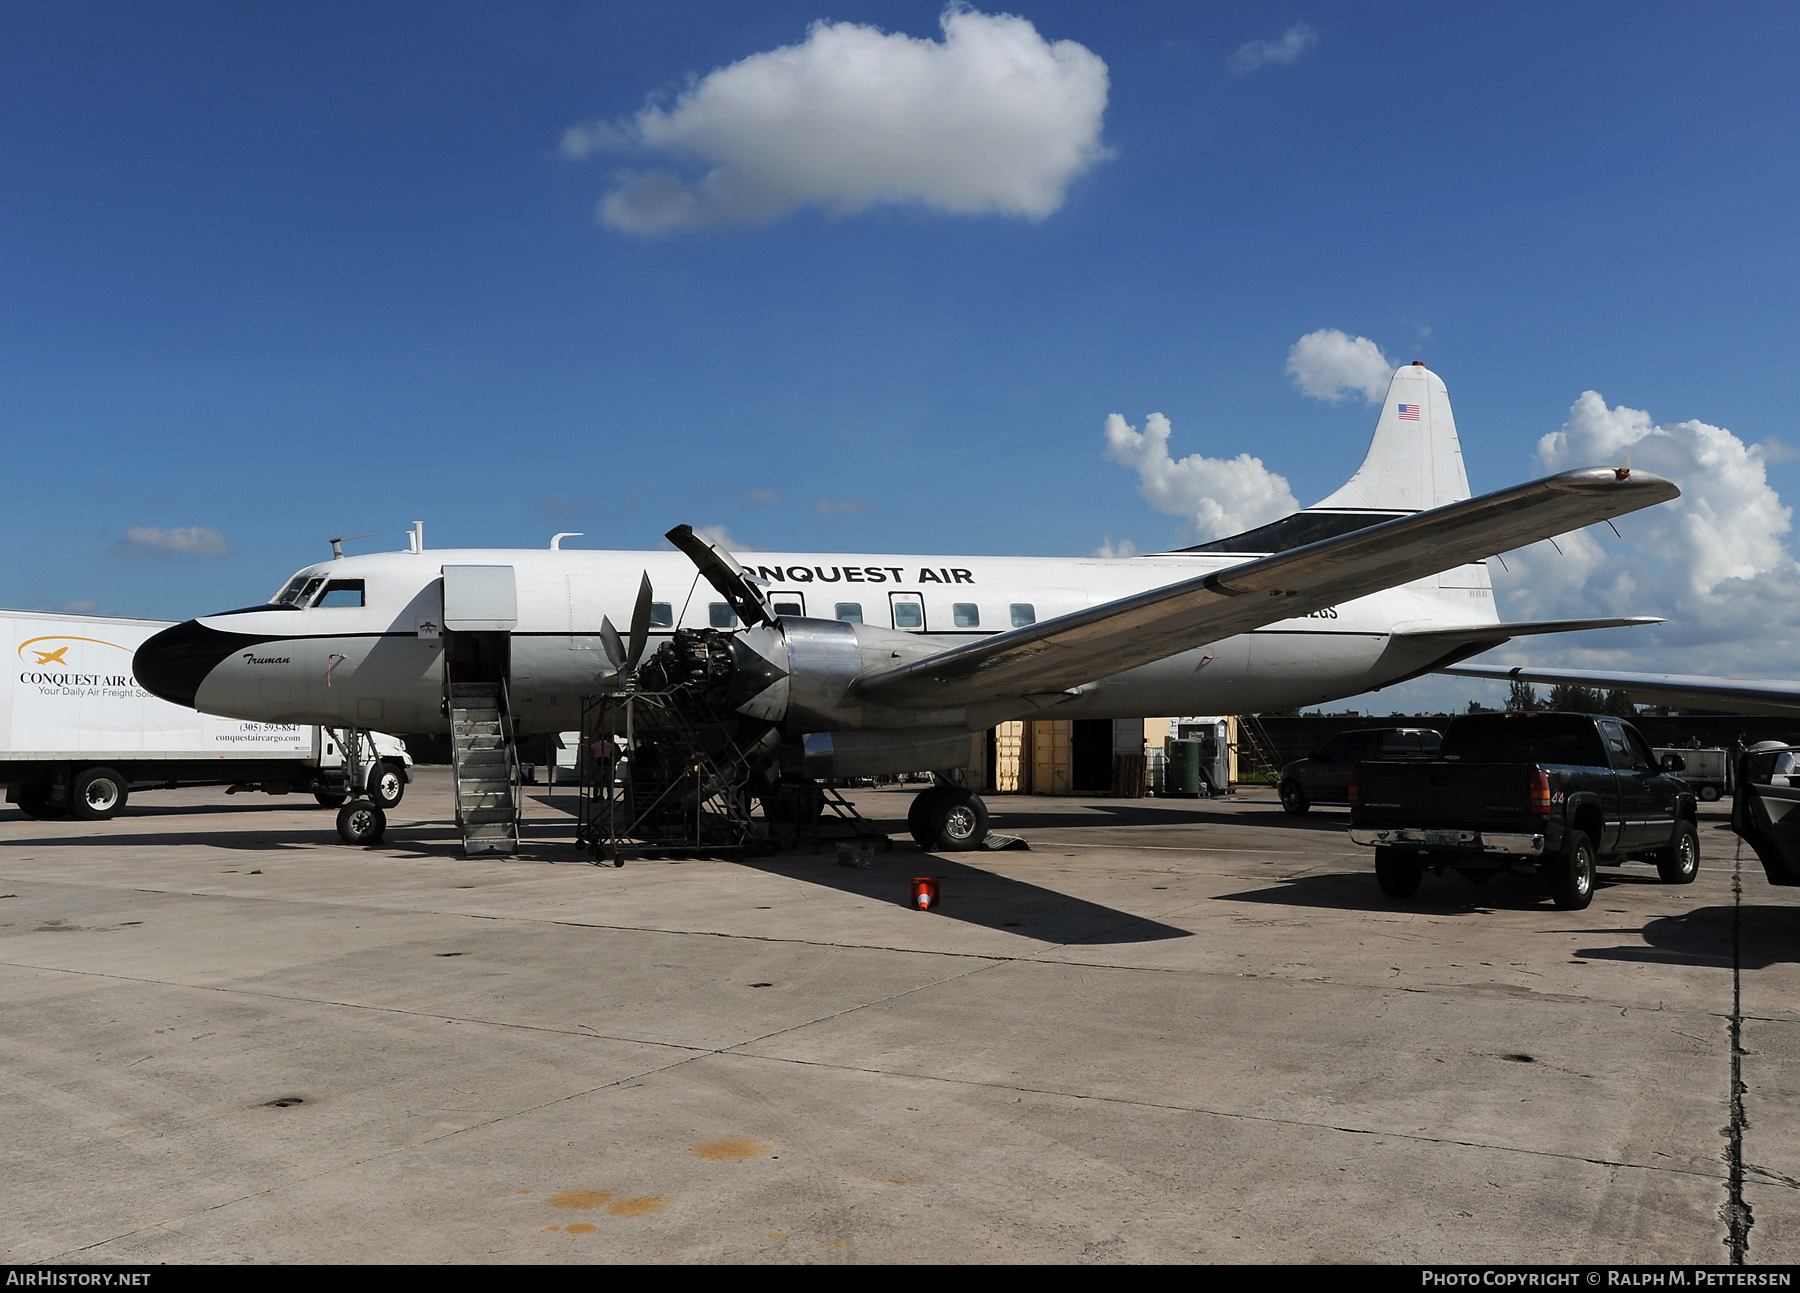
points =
(381, 664)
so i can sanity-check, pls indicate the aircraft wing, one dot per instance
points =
(1059, 654)
(1483, 637)
(1734, 695)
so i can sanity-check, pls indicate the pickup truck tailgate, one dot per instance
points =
(1478, 796)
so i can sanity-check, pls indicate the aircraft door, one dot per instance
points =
(481, 608)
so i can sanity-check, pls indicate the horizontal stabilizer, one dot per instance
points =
(1733, 695)
(1073, 649)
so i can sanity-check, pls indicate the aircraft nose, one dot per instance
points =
(174, 663)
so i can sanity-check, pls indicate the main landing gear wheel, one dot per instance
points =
(386, 785)
(1398, 873)
(918, 817)
(1293, 797)
(1680, 862)
(361, 822)
(96, 794)
(1572, 882)
(957, 821)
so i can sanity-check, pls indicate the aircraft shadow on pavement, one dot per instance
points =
(1447, 895)
(1110, 817)
(1765, 936)
(975, 896)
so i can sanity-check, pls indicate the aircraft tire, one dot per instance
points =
(918, 816)
(361, 822)
(387, 785)
(1572, 879)
(1293, 797)
(97, 794)
(1680, 862)
(959, 822)
(1398, 873)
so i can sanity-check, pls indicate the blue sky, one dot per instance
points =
(277, 272)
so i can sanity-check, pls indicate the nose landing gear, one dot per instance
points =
(361, 822)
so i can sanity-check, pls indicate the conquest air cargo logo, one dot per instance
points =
(43, 656)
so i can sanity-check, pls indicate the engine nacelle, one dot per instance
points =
(801, 672)
(885, 751)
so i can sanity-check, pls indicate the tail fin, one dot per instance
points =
(1414, 463)
(1415, 460)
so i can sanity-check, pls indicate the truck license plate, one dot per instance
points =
(1440, 838)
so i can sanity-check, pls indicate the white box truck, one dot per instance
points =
(78, 735)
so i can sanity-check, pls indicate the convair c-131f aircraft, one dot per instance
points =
(861, 664)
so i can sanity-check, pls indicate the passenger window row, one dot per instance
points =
(908, 614)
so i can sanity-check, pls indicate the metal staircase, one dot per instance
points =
(1257, 747)
(486, 765)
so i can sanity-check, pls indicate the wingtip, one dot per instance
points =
(1612, 480)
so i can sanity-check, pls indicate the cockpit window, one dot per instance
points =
(342, 592)
(299, 591)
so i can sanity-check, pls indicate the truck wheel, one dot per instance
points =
(1572, 882)
(361, 822)
(1710, 794)
(959, 821)
(330, 798)
(387, 785)
(1680, 862)
(1398, 873)
(96, 794)
(1293, 797)
(34, 801)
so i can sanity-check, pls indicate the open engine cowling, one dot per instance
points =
(797, 674)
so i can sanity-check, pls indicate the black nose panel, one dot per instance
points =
(174, 663)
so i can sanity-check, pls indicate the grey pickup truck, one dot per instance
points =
(1555, 793)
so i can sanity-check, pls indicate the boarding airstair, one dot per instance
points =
(485, 761)
(1256, 747)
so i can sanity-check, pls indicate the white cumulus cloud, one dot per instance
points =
(1217, 496)
(1107, 548)
(1285, 49)
(721, 536)
(179, 541)
(993, 119)
(1715, 561)
(1329, 365)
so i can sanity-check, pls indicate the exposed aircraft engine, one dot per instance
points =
(798, 675)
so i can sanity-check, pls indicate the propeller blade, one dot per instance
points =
(725, 575)
(609, 639)
(640, 623)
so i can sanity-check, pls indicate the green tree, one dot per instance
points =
(1618, 703)
(1572, 698)
(1522, 696)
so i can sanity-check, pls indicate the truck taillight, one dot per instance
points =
(1540, 791)
(1355, 788)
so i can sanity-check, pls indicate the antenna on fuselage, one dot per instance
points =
(415, 537)
(337, 544)
(556, 539)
